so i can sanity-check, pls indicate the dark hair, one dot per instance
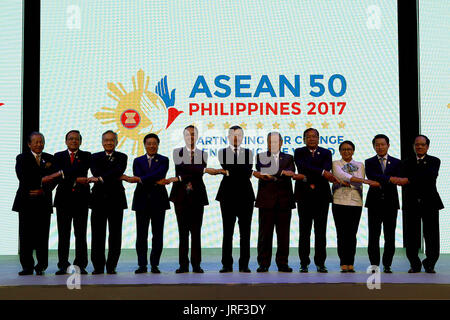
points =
(110, 131)
(274, 132)
(351, 144)
(235, 128)
(193, 127)
(308, 130)
(380, 136)
(151, 135)
(73, 131)
(35, 133)
(427, 141)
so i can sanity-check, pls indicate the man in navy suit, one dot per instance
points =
(71, 201)
(382, 202)
(33, 202)
(108, 202)
(236, 199)
(150, 202)
(313, 196)
(421, 205)
(189, 197)
(275, 200)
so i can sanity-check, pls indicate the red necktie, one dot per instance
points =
(72, 157)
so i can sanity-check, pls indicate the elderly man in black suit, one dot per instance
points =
(108, 202)
(382, 202)
(150, 202)
(275, 200)
(71, 201)
(189, 197)
(236, 198)
(33, 202)
(313, 196)
(421, 205)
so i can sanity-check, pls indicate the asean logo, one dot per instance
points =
(140, 111)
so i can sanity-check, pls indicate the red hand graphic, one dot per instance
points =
(173, 113)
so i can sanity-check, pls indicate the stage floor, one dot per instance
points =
(236, 285)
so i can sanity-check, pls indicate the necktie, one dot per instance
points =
(420, 161)
(149, 162)
(38, 160)
(192, 156)
(235, 156)
(383, 167)
(72, 157)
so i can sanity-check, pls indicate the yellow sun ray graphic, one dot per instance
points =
(136, 114)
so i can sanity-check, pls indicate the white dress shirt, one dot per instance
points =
(348, 196)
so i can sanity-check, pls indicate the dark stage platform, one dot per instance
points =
(213, 285)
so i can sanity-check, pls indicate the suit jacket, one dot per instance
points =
(237, 185)
(422, 187)
(30, 176)
(189, 172)
(148, 195)
(387, 193)
(68, 192)
(279, 192)
(316, 186)
(110, 192)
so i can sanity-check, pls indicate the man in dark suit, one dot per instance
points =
(275, 201)
(421, 205)
(236, 199)
(108, 202)
(382, 202)
(150, 202)
(189, 197)
(313, 196)
(71, 202)
(33, 202)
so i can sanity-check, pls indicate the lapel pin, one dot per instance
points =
(318, 152)
(389, 162)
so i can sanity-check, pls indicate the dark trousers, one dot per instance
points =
(143, 219)
(99, 219)
(281, 220)
(34, 228)
(243, 213)
(65, 216)
(430, 220)
(189, 219)
(313, 212)
(346, 219)
(388, 218)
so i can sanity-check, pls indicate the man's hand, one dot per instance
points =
(92, 180)
(35, 193)
(211, 171)
(163, 182)
(373, 183)
(298, 176)
(222, 171)
(399, 181)
(172, 180)
(287, 173)
(51, 177)
(329, 176)
(82, 180)
(133, 180)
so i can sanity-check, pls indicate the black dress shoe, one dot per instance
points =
(245, 270)
(262, 269)
(40, 272)
(430, 270)
(98, 272)
(284, 268)
(61, 272)
(303, 269)
(413, 270)
(140, 270)
(111, 271)
(387, 270)
(25, 273)
(322, 269)
(197, 270)
(182, 270)
(225, 270)
(155, 270)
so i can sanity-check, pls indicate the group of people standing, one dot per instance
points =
(39, 173)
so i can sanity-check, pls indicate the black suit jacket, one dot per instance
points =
(148, 195)
(279, 192)
(189, 172)
(110, 192)
(312, 168)
(237, 185)
(30, 176)
(422, 183)
(387, 193)
(68, 192)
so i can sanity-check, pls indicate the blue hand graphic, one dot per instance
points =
(163, 91)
